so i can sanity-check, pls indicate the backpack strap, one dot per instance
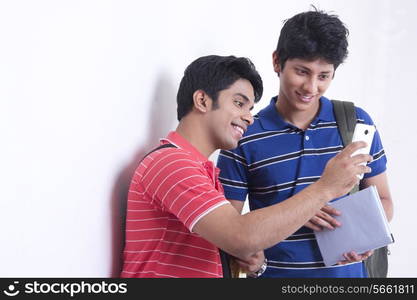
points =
(169, 145)
(345, 114)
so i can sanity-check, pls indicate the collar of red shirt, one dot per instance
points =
(179, 141)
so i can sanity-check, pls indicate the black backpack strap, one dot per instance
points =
(225, 259)
(159, 147)
(345, 114)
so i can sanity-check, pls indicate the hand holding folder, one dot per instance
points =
(364, 227)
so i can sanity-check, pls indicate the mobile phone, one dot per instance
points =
(363, 132)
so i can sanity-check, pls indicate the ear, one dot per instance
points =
(201, 101)
(275, 62)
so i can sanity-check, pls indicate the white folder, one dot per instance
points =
(364, 227)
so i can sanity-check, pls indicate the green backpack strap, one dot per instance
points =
(345, 115)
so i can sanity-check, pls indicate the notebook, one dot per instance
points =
(364, 227)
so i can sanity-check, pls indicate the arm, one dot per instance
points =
(381, 183)
(255, 261)
(244, 235)
(237, 204)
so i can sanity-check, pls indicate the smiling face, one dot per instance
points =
(302, 83)
(229, 119)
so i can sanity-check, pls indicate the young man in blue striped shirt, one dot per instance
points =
(292, 139)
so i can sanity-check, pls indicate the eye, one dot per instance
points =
(238, 103)
(324, 77)
(301, 71)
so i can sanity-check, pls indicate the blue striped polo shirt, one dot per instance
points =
(274, 161)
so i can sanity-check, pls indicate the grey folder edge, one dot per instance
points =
(364, 227)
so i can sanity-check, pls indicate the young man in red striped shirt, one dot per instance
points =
(177, 215)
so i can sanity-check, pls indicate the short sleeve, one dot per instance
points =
(179, 185)
(233, 174)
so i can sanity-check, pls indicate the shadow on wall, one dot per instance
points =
(163, 114)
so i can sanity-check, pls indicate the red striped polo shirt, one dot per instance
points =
(170, 191)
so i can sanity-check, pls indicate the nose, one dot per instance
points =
(311, 85)
(248, 118)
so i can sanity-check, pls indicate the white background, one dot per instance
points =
(87, 87)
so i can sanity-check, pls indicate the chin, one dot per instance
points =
(231, 146)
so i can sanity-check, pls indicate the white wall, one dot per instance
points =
(87, 87)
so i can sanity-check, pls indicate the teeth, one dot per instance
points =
(238, 129)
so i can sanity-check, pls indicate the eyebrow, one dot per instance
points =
(305, 68)
(244, 98)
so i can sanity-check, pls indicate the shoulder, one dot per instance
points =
(172, 156)
(164, 161)
(363, 116)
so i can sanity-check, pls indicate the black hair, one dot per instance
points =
(213, 74)
(311, 35)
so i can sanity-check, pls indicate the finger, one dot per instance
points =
(322, 221)
(256, 259)
(351, 148)
(312, 226)
(253, 263)
(355, 256)
(259, 254)
(363, 169)
(329, 219)
(251, 267)
(348, 257)
(330, 210)
(366, 254)
(361, 158)
(352, 256)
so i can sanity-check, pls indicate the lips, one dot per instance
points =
(305, 98)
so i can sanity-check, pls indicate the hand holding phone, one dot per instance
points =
(363, 132)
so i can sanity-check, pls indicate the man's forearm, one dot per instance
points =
(266, 227)
(388, 208)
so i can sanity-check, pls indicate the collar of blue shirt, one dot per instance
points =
(271, 120)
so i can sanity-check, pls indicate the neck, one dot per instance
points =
(299, 118)
(193, 132)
